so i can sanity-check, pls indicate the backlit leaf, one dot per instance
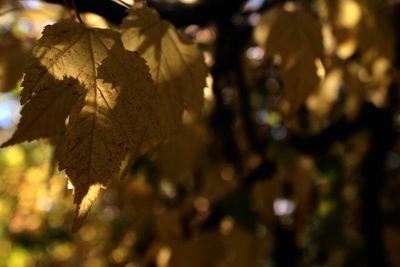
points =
(112, 110)
(293, 36)
(44, 114)
(176, 65)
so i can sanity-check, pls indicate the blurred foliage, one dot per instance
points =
(287, 201)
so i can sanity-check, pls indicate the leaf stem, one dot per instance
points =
(67, 7)
(78, 16)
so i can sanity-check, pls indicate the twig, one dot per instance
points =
(78, 16)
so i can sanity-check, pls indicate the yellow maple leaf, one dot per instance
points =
(44, 115)
(112, 114)
(295, 37)
(176, 65)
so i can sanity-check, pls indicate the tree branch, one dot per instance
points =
(179, 14)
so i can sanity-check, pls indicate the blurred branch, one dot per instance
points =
(105, 8)
(178, 13)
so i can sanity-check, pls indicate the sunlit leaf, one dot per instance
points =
(294, 37)
(112, 116)
(176, 65)
(45, 114)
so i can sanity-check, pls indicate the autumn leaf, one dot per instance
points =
(112, 112)
(83, 89)
(176, 65)
(13, 54)
(44, 115)
(295, 37)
